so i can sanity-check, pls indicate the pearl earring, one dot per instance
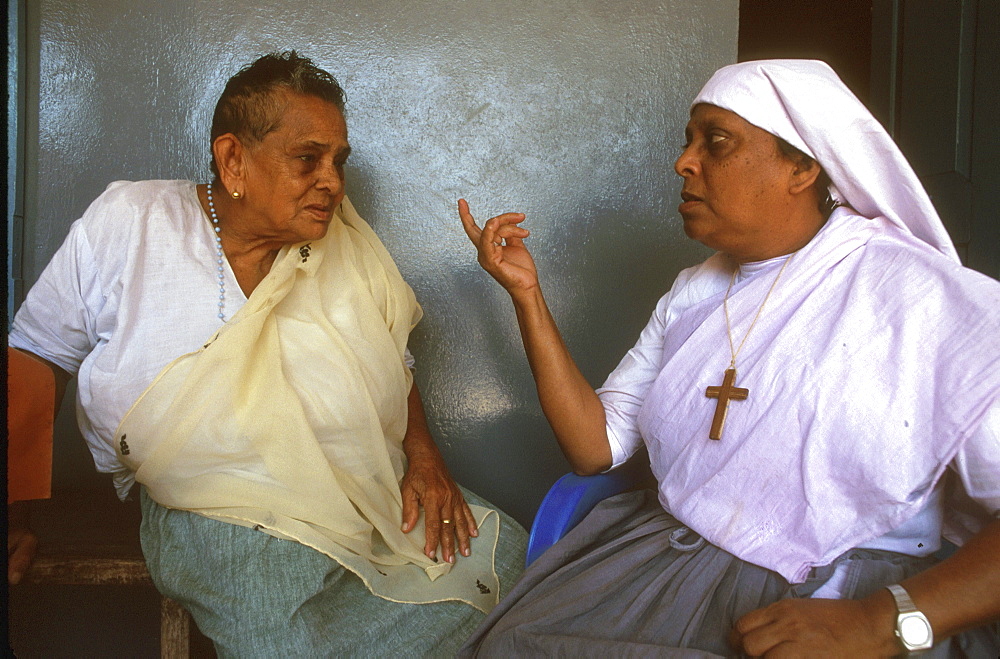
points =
(236, 195)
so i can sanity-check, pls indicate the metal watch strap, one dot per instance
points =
(908, 613)
(904, 603)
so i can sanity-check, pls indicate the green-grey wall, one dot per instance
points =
(571, 112)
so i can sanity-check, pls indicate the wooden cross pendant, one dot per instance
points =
(725, 393)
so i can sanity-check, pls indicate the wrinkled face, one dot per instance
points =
(295, 175)
(735, 197)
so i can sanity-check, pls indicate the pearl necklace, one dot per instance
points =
(220, 259)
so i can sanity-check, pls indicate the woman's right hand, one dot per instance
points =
(502, 253)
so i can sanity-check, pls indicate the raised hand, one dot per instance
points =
(502, 253)
(570, 404)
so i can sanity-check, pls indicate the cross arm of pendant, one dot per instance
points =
(735, 393)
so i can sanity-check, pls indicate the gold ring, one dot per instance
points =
(446, 521)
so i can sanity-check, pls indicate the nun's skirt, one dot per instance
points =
(632, 581)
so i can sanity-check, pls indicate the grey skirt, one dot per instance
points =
(257, 596)
(632, 581)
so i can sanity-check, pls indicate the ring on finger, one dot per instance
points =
(446, 521)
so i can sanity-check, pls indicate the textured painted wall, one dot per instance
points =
(571, 112)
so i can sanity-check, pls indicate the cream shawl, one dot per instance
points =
(291, 419)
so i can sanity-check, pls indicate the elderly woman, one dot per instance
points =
(241, 350)
(859, 365)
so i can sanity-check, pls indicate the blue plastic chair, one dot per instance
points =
(572, 497)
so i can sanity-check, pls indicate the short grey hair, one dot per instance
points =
(250, 106)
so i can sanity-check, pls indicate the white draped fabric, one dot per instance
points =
(874, 361)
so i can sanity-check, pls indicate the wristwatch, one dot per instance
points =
(912, 627)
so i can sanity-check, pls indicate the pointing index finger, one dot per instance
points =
(468, 222)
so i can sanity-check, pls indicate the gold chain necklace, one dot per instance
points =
(727, 391)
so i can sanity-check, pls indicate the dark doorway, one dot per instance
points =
(839, 33)
(929, 72)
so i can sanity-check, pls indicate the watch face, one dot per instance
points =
(915, 631)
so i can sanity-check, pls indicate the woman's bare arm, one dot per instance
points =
(569, 402)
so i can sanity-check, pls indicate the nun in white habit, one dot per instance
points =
(820, 401)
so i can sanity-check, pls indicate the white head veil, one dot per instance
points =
(807, 105)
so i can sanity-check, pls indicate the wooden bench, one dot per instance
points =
(86, 538)
(90, 538)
